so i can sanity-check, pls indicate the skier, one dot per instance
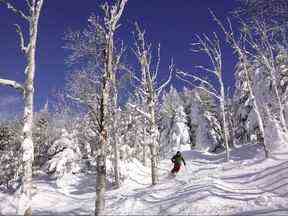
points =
(177, 160)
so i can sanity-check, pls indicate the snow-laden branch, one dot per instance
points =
(113, 13)
(199, 87)
(196, 78)
(15, 10)
(117, 14)
(13, 84)
(90, 107)
(238, 44)
(147, 115)
(76, 99)
(171, 70)
(158, 63)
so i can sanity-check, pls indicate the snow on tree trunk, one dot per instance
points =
(112, 16)
(153, 133)
(24, 206)
(103, 139)
(241, 51)
(144, 160)
(115, 134)
(28, 149)
(149, 94)
(116, 160)
(223, 113)
(254, 101)
(101, 174)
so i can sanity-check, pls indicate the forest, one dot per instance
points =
(104, 145)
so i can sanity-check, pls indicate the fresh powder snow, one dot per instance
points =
(246, 185)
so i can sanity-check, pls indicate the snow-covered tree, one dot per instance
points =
(10, 152)
(41, 135)
(212, 48)
(262, 43)
(27, 89)
(273, 12)
(239, 46)
(134, 131)
(149, 93)
(174, 130)
(98, 92)
(257, 51)
(64, 155)
(203, 113)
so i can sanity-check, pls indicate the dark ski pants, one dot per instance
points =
(176, 168)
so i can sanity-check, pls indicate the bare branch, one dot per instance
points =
(196, 78)
(29, 4)
(158, 63)
(13, 84)
(199, 87)
(22, 42)
(116, 12)
(15, 10)
(76, 99)
(205, 69)
(171, 70)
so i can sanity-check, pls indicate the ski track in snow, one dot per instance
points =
(207, 186)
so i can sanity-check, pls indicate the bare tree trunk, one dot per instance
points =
(153, 135)
(116, 160)
(103, 141)
(225, 128)
(115, 135)
(101, 175)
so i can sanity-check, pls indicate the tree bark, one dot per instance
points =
(24, 206)
(225, 128)
(255, 105)
(101, 175)
(154, 133)
(28, 148)
(113, 15)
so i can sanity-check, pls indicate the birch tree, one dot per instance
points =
(112, 16)
(262, 41)
(212, 48)
(27, 89)
(272, 12)
(104, 98)
(149, 92)
(239, 47)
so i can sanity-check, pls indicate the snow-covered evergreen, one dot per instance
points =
(65, 156)
(175, 133)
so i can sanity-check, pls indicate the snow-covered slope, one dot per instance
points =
(207, 186)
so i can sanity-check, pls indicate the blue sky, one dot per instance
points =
(169, 22)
